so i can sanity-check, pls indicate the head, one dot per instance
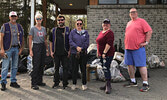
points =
(133, 13)
(38, 18)
(61, 21)
(106, 24)
(13, 16)
(79, 24)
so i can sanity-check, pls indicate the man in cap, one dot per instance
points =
(11, 46)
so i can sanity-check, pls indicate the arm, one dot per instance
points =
(30, 45)
(148, 37)
(72, 43)
(107, 47)
(46, 44)
(2, 52)
(51, 52)
(86, 43)
(22, 47)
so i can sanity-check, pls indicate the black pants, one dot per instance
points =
(38, 60)
(64, 61)
(76, 62)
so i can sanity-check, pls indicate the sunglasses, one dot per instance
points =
(13, 16)
(60, 20)
(38, 18)
(79, 23)
(132, 12)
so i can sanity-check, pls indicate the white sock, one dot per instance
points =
(145, 82)
(133, 80)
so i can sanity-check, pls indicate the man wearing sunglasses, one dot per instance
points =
(11, 46)
(59, 49)
(137, 35)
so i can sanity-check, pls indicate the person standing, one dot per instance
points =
(137, 35)
(38, 51)
(79, 42)
(105, 51)
(59, 49)
(12, 41)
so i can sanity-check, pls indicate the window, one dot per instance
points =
(156, 1)
(127, 1)
(107, 1)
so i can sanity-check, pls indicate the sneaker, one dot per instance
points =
(130, 84)
(84, 87)
(3, 88)
(41, 84)
(145, 88)
(55, 85)
(73, 87)
(35, 87)
(14, 84)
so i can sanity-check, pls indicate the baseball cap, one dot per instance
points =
(106, 21)
(12, 13)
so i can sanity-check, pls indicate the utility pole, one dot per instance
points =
(32, 12)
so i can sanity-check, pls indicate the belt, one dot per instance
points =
(15, 45)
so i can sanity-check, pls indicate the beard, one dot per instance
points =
(61, 24)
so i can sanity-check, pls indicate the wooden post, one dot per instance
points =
(93, 2)
(44, 3)
(142, 2)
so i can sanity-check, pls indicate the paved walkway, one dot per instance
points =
(157, 80)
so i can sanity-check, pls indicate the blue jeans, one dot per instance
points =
(12, 60)
(106, 66)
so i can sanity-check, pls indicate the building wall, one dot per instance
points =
(155, 15)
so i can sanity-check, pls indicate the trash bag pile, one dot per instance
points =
(154, 62)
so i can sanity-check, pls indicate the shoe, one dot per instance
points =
(103, 87)
(35, 87)
(14, 84)
(145, 88)
(41, 84)
(84, 87)
(108, 86)
(73, 87)
(64, 86)
(130, 84)
(55, 85)
(3, 88)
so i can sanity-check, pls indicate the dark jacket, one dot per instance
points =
(66, 39)
(81, 40)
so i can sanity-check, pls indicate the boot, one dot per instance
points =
(3, 88)
(103, 87)
(108, 87)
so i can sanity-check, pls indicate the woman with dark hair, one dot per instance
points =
(105, 50)
(79, 42)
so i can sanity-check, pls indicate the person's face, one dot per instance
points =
(133, 13)
(61, 21)
(13, 18)
(38, 20)
(106, 26)
(79, 24)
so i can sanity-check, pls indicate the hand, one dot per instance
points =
(103, 56)
(79, 49)
(69, 54)
(47, 53)
(20, 51)
(2, 52)
(31, 53)
(51, 53)
(143, 44)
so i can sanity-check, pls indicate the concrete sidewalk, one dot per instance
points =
(157, 80)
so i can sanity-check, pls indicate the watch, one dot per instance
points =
(146, 43)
